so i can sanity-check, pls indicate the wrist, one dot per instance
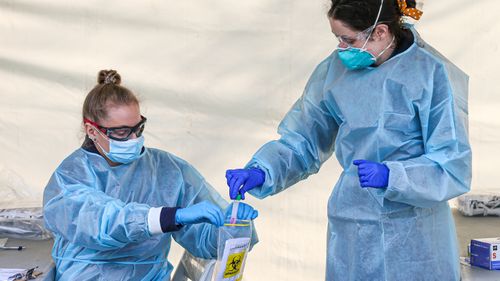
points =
(260, 175)
(169, 219)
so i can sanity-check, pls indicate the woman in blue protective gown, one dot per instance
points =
(394, 111)
(113, 205)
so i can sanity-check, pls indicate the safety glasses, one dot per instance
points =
(122, 133)
(350, 40)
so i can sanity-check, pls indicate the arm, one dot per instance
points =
(444, 171)
(88, 217)
(308, 134)
(199, 239)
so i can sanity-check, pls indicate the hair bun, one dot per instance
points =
(109, 77)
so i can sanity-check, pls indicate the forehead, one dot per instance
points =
(122, 115)
(339, 28)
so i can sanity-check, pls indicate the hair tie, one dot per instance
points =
(409, 12)
(110, 78)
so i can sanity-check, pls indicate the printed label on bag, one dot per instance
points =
(233, 264)
(233, 260)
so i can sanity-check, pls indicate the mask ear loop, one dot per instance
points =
(99, 132)
(374, 25)
(94, 125)
(96, 143)
(386, 48)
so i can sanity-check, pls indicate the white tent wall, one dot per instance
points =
(215, 78)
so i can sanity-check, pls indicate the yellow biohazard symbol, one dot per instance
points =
(233, 265)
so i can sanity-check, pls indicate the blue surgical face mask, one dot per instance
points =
(124, 151)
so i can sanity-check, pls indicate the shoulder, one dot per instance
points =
(321, 71)
(173, 165)
(77, 160)
(421, 69)
(73, 170)
(426, 55)
(163, 157)
(444, 72)
(447, 72)
(443, 79)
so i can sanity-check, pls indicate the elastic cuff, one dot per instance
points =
(397, 180)
(167, 219)
(154, 225)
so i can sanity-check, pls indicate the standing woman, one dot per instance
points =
(394, 110)
(114, 205)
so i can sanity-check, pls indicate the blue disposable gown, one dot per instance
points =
(409, 113)
(98, 215)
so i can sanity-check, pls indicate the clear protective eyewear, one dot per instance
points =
(121, 133)
(349, 41)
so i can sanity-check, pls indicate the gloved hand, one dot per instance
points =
(199, 213)
(245, 212)
(372, 174)
(249, 178)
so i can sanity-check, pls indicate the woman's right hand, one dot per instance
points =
(203, 212)
(248, 178)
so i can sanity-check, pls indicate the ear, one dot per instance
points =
(381, 32)
(91, 131)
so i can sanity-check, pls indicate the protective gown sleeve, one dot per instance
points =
(444, 170)
(308, 134)
(85, 216)
(199, 239)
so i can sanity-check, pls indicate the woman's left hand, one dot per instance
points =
(372, 174)
(245, 212)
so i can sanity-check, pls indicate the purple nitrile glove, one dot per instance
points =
(372, 174)
(244, 178)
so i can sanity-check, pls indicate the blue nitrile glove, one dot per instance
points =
(249, 178)
(199, 213)
(372, 174)
(245, 212)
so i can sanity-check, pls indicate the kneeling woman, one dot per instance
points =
(114, 205)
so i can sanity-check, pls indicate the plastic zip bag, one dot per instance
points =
(25, 223)
(480, 203)
(233, 246)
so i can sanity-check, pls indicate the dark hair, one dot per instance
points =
(361, 14)
(107, 92)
